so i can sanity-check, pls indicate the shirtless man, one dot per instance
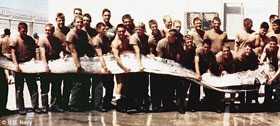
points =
(110, 29)
(78, 42)
(129, 25)
(197, 33)
(271, 55)
(6, 51)
(51, 49)
(260, 39)
(76, 12)
(205, 61)
(216, 35)
(140, 81)
(275, 30)
(121, 45)
(167, 20)
(60, 32)
(177, 25)
(22, 50)
(272, 18)
(243, 37)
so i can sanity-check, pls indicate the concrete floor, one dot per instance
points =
(254, 116)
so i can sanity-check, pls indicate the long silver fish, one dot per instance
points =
(92, 65)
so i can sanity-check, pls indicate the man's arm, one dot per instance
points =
(263, 56)
(117, 57)
(138, 57)
(197, 69)
(14, 58)
(104, 66)
(75, 57)
(44, 59)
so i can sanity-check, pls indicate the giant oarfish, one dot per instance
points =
(236, 82)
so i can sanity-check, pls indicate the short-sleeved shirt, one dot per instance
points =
(81, 42)
(273, 56)
(187, 59)
(110, 31)
(52, 47)
(141, 42)
(217, 39)
(103, 43)
(242, 38)
(206, 61)
(228, 64)
(247, 62)
(24, 48)
(5, 43)
(61, 35)
(169, 50)
(153, 41)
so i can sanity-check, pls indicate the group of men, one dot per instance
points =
(199, 51)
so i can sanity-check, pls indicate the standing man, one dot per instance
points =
(121, 45)
(272, 18)
(129, 24)
(23, 50)
(188, 62)
(60, 32)
(140, 81)
(167, 20)
(197, 33)
(102, 46)
(87, 28)
(177, 25)
(6, 51)
(76, 12)
(243, 37)
(205, 61)
(275, 30)
(216, 35)
(78, 42)
(170, 48)
(110, 29)
(154, 37)
(51, 49)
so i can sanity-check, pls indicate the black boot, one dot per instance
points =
(45, 103)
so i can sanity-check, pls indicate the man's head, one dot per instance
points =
(273, 43)
(171, 36)
(263, 28)
(276, 25)
(60, 20)
(121, 31)
(188, 41)
(78, 22)
(7, 31)
(77, 11)
(248, 23)
(49, 30)
(127, 21)
(216, 23)
(248, 49)
(177, 25)
(22, 29)
(140, 28)
(206, 45)
(153, 26)
(197, 23)
(106, 15)
(86, 19)
(226, 51)
(167, 20)
(272, 18)
(101, 28)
